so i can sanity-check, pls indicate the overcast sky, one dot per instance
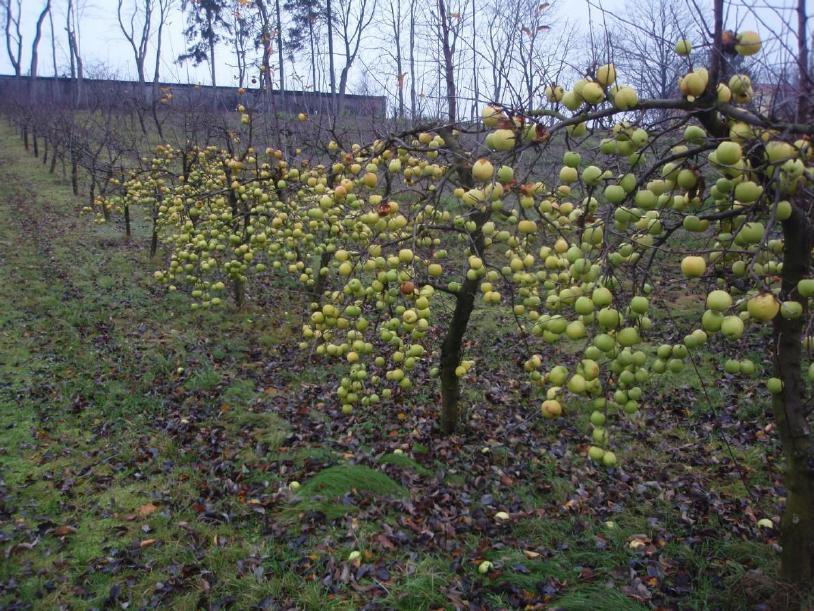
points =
(102, 42)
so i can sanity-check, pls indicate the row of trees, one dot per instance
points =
(558, 213)
(559, 216)
(421, 55)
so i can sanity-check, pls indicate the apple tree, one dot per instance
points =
(561, 215)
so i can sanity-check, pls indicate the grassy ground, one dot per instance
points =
(146, 457)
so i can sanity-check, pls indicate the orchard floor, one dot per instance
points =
(126, 482)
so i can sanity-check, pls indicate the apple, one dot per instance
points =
(484, 567)
(747, 192)
(747, 367)
(683, 47)
(732, 366)
(596, 453)
(505, 174)
(695, 134)
(740, 84)
(805, 287)
(748, 43)
(629, 336)
(571, 100)
(791, 309)
(591, 175)
(728, 153)
(693, 266)
(775, 385)
(732, 327)
(568, 175)
(763, 307)
(646, 199)
(639, 305)
(597, 418)
(491, 116)
(608, 318)
(625, 98)
(694, 83)
(614, 194)
(592, 93)
(551, 408)
(527, 227)
(503, 139)
(483, 170)
(575, 330)
(606, 75)
(719, 300)
(554, 93)
(723, 93)
(750, 233)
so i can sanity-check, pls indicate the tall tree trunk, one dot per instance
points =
(451, 353)
(790, 413)
(280, 46)
(74, 171)
(475, 91)
(399, 67)
(413, 97)
(37, 36)
(449, 68)
(452, 346)
(211, 41)
(154, 231)
(803, 72)
(332, 75)
(53, 42)
(790, 408)
(127, 231)
(313, 56)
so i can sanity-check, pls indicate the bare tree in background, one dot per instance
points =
(395, 20)
(279, 36)
(448, 36)
(353, 18)
(137, 34)
(500, 41)
(330, 21)
(305, 19)
(240, 26)
(644, 37)
(72, 29)
(14, 37)
(46, 10)
(53, 42)
(532, 61)
(413, 97)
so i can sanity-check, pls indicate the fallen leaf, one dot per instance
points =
(146, 510)
(61, 531)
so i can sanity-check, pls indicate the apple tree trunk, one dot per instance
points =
(452, 347)
(797, 525)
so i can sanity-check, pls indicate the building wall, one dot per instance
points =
(95, 92)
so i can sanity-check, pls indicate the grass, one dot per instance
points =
(115, 398)
(337, 481)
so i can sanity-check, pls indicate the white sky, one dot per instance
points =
(102, 41)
